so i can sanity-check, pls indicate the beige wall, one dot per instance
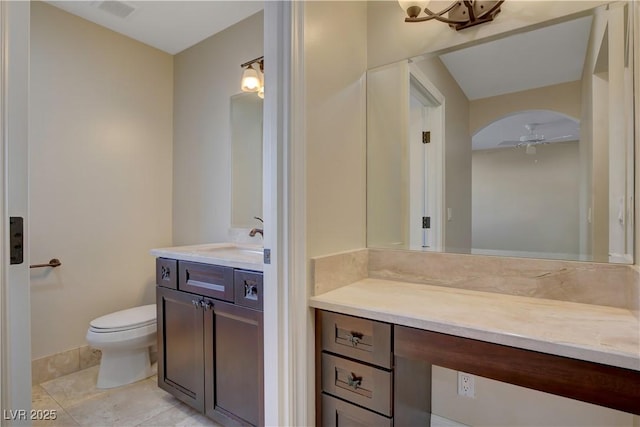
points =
(388, 156)
(563, 98)
(100, 173)
(500, 404)
(206, 76)
(335, 66)
(511, 189)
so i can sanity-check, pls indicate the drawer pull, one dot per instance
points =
(354, 338)
(354, 381)
(165, 273)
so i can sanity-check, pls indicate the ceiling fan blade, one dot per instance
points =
(564, 138)
(510, 143)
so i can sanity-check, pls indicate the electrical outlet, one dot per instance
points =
(466, 385)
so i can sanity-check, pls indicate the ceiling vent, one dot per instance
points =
(117, 8)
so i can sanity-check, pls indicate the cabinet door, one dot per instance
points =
(180, 346)
(338, 413)
(234, 364)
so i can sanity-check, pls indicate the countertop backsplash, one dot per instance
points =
(583, 282)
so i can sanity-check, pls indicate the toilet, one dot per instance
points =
(125, 338)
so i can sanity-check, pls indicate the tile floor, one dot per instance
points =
(77, 402)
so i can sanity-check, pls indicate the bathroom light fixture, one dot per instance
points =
(460, 14)
(252, 79)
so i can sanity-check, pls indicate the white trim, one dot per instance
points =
(16, 331)
(4, 215)
(302, 338)
(279, 350)
(437, 125)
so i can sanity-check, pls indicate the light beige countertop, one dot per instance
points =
(596, 333)
(245, 256)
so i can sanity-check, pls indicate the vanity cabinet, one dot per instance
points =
(352, 381)
(210, 340)
(355, 371)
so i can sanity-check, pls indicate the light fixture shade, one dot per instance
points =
(261, 92)
(413, 7)
(251, 81)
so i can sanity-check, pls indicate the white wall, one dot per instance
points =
(100, 173)
(335, 64)
(206, 76)
(512, 189)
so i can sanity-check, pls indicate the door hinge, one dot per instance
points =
(426, 137)
(426, 222)
(267, 256)
(16, 240)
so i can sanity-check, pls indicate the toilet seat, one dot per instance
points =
(125, 320)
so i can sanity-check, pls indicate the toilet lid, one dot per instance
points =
(126, 319)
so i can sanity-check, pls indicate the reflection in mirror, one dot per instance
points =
(246, 153)
(528, 150)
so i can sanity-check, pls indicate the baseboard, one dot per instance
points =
(437, 421)
(64, 363)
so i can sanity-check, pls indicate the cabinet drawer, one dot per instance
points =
(356, 382)
(337, 413)
(358, 338)
(248, 289)
(207, 280)
(167, 273)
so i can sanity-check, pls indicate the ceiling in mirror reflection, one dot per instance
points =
(543, 57)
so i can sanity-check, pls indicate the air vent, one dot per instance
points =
(117, 8)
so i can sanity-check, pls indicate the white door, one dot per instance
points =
(426, 174)
(15, 341)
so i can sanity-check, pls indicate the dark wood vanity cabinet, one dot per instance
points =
(356, 359)
(355, 371)
(233, 354)
(210, 351)
(180, 346)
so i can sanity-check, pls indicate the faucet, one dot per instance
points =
(255, 231)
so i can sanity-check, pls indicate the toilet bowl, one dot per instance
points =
(124, 337)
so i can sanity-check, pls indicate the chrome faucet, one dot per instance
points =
(255, 231)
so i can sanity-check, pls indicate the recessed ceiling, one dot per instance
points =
(538, 58)
(170, 26)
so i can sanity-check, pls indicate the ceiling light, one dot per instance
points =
(459, 14)
(252, 79)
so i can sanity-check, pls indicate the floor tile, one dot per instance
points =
(180, 416)
(44, 406)
(73, 388)
(125, 406)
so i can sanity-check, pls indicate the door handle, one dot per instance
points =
(53, 263)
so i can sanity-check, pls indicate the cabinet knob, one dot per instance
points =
(205, 304)
(354, 381)
(354, 338)
(195, 303)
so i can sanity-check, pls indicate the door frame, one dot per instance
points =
(288, 326)
(436, 123)
(15, 316)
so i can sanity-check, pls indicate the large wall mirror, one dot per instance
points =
(518, 146)
(246, 154)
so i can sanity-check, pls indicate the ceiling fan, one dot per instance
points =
(532, 138)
